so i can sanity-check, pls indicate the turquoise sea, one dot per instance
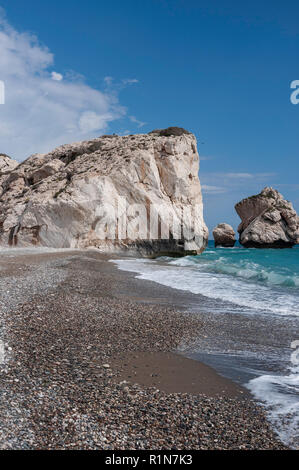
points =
(254, 293)
(259, 279)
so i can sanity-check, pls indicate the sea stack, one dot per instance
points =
(107, 193)
(224, 235)
(268, 221)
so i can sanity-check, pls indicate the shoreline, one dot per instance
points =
(174, 373)
(76, 343)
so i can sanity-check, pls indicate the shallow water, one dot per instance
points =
(261, 286)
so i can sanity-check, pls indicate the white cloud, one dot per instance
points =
(130, 81)
(119, 84)
(205, 157)
(247, 175)
(91, 121)
(136, 121)
(237, 183)
(56, 76)
(212, 189)
(108, 80)
(238, 175)
(41, 110)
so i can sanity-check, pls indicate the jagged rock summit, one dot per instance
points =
(88, 194)
(7, 164)
(268, 221)
(224, 235)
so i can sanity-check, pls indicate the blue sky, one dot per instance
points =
(220, 69)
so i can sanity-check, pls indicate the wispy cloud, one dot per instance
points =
(125, 132)
(136, 121)
(238, 175)
(232, 182)
(130, 81)
(118, 84)
(213, 189)
(241, 176)
(205, 157)
(108, 80)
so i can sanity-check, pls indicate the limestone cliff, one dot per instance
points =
(268, 221)
(6, 166)
(105, 193)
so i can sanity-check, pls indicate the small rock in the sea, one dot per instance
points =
(224, 235)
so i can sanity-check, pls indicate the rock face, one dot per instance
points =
(6, 166)
(224, 235)
(268, 221)
(112, 193)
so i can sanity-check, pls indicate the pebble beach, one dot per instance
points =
(77, 333)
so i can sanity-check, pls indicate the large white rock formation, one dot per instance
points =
(113, 193)
(268, 221)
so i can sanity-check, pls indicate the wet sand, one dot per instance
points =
(91, 363)
(173, 373)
